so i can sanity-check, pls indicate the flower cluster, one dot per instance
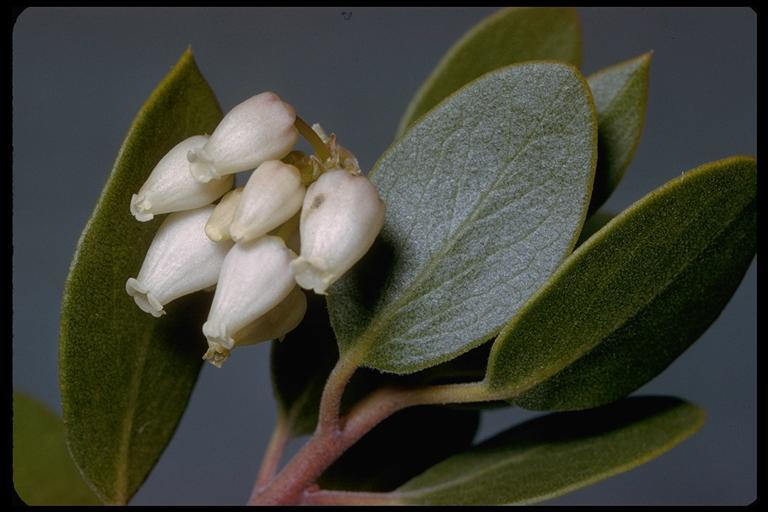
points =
(300, 221)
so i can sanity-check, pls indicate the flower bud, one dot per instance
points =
(273, 195)
(217, 227)
(170, 187)
(255, 277)
(181, 260)
(340, 219)
(258, 129)
(277, 322)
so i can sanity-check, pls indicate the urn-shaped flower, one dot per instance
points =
(259, 129)
(255, 277)
(340, 219)
(274, 193)
(171, 188)
(181, 260)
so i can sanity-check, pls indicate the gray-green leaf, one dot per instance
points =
(43, 472)
(635, 295)
(510, 36)
(621, 96)
(125, 376)
(485, 197)
(556, 454)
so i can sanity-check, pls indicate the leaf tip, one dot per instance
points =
(644, 60)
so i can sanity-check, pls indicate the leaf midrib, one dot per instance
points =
(645, 457)
(642, 458)
(515, 459)
(122, 480)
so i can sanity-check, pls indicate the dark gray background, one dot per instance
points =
(81, 74)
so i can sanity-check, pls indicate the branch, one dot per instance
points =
(323, 497)
(328, 444)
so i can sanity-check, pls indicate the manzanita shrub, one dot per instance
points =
(457, 275)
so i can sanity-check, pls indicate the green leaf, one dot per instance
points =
(556, 454)
(485, 197)
(621, 96)
(401, 447)
(510, 36)
(125, 376)
(635, 295)
(43, 472)
(301, 364)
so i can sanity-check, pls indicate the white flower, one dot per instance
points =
(217, 227)
(277, 322)
(273, 195)
(255, 277)
(340, 219)
(259, 129)
(181, 260)
(170, 187)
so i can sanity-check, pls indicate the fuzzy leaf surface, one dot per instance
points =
(556, 454)
(510, 36)
(126, 376)
(621, 97)
(485, 198)
(635, 295)
(43, 471)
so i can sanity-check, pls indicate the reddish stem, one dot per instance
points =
(269, 464)
(327, 444)
(321, 497)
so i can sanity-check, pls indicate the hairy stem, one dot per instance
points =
(383, 403)
(329, 442)
(330, 402)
